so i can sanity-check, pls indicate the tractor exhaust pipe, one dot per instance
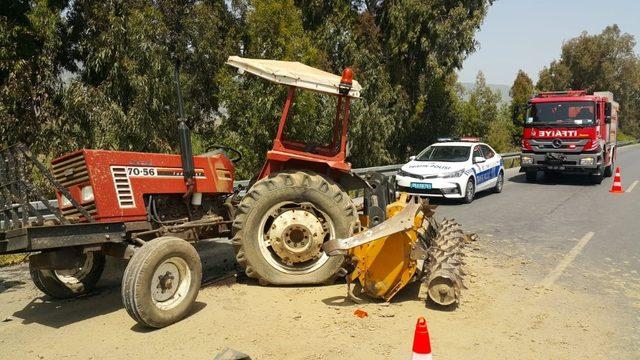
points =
(184, 133)
(186, 153)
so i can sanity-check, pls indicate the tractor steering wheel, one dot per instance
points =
(224, 149)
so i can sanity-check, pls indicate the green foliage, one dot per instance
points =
(606, 61)
(624, 137)
(479, 111)
(520, 92)
(118, 58)
(501, 131)
(31, 52)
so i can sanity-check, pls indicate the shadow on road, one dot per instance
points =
(196, 308)
(555, 179)
(59, 313)
(10, 285)
(458, 202)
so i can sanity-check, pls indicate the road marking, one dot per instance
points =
(630, 189)
(566, 261)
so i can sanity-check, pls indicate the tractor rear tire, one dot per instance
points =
(161, 282)
(66, 284)
(299, 200)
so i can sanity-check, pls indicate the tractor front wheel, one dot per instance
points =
(161, 282)
(282, 223)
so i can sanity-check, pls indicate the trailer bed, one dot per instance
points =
(37, 238)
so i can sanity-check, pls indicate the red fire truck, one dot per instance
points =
(570, 132)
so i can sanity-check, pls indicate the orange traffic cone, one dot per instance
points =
(421, 342)
(617, 183)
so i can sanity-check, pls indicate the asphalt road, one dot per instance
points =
(576, 235)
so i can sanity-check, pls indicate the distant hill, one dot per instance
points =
(502, 89)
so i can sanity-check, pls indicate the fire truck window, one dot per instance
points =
(488, 153)
(311, 119)
(575, 112)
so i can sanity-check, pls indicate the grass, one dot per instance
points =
(11, 259)
(624, 137)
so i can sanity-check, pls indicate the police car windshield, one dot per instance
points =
(446, 153)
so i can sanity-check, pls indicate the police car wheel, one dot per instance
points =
(470, 191)
(500, 183)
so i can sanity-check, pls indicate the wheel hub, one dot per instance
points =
(296, 236)
(165, 279)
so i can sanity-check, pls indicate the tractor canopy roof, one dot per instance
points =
(295, 74)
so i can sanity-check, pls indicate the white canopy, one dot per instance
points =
(293, 73)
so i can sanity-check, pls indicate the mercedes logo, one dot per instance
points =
(557, 143)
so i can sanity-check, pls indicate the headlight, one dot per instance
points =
(87, 194)
(526, 160)
(402, 173)
(453, 174)
(587, 161)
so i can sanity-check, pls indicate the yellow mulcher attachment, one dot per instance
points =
(409, 246)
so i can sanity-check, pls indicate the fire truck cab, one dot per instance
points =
(570, 132)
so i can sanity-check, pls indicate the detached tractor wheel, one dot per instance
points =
(282, 223)
(65, 284)
(161, 282)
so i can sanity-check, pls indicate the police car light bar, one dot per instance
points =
(469, 139)
(445, 139)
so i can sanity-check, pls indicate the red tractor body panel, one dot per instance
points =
(119, 180)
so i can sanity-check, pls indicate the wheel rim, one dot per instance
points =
(170, 283)
(500, 181)
(470, 190)
(77, 275)
(291, 237)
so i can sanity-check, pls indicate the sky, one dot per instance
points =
(528, 34)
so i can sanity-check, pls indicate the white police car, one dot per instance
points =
(452, 170)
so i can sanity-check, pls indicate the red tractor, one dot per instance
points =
(141, 207)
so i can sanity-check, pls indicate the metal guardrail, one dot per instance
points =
(511, 159)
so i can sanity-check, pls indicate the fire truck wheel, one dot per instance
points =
(282, 223)
(597, 178)
(65, 284)
(161, 282)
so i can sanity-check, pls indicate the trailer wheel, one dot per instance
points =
(532, 175)
(161, 282)
(282, 223)
(65, 284)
